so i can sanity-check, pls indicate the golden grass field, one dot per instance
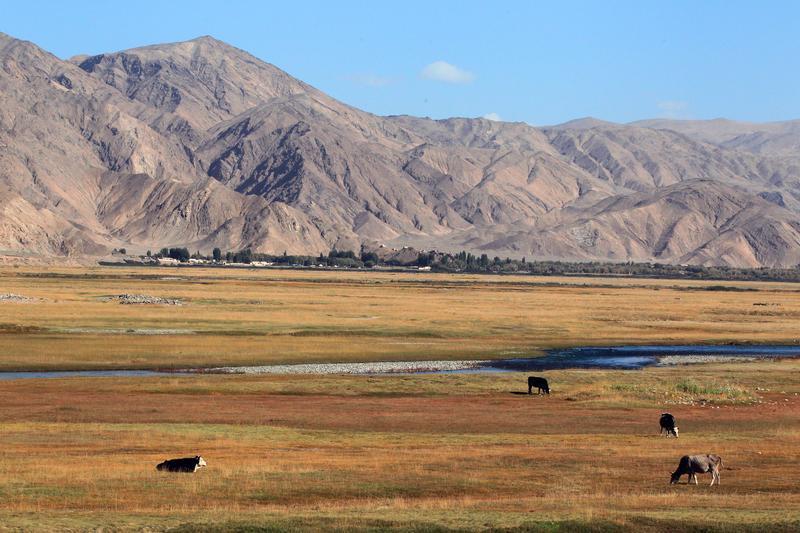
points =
(421, 452)
(242, 317)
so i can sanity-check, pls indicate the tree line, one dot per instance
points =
(468, 262)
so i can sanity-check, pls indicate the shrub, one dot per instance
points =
(688, 386)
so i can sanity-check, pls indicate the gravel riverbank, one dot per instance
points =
(518, 365)
(673, 360)
(389, 367)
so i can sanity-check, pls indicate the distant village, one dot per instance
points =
(408, 259)
(378, 257)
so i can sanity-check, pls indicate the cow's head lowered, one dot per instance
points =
(200, 462)
(675, 431)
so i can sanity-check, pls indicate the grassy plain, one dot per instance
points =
(240, 317)
(422, 452)
(425, 452)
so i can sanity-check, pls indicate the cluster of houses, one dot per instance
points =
(169, 261)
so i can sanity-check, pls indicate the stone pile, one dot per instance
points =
(142, 299)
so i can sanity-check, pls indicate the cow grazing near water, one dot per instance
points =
(185, 464)
(667, 422)
(539, 383)
(698, 464)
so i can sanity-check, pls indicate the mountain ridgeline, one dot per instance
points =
(201, 145)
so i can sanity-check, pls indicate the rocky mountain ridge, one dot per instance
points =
(200, 144)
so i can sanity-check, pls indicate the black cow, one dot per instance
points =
(667, 422)
(539, 383)
(698, 464)
(185, 464)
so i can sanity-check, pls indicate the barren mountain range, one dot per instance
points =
(200, 144)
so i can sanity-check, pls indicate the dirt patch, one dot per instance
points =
(125, 331)
(17, 329)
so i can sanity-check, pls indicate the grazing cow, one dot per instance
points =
(667, 422)
(539, 383)
(185, 464)
(698, 464)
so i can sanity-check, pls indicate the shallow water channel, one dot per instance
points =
(614, 357)
(636, 357)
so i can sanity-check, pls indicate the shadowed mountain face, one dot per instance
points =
(200, 144)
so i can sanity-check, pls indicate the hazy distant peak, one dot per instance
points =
(679, 124)
(776, 138)
(584, 123)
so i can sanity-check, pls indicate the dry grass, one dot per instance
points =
(405, 452)
(425, 452)
(249, 317)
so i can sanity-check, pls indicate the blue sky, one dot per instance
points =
(538, 62)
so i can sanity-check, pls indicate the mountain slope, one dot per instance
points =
(203, 81)
(200, 144)
(67, 137)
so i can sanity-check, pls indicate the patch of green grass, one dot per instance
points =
(688, 386)
(643, 524)
(471, 521)
(317, 524)
(726, 390)
(15, 490)
(691, 386)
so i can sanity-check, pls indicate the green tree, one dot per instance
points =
(243, 256)
(181, 254)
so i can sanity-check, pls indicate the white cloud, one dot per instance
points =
(672, 108)
(493, 117)
(371, 80)
(444, 71)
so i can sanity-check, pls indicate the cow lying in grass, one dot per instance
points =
(185, 464)
(667, 422)
(539, 383)
(698, 464)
